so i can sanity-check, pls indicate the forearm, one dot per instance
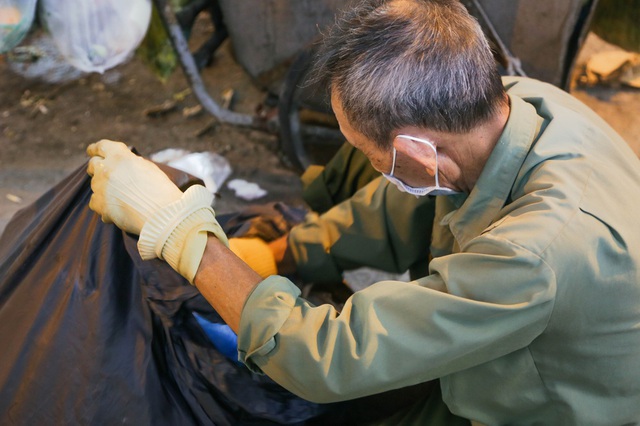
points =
(225, 281)
(378, 227)
(384, 333)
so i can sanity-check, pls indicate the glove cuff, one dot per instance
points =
(184, 249)
(255, 253)
(178, 232)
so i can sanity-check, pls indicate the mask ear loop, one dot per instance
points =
(393, 165)
(426, 142)
(436, 153)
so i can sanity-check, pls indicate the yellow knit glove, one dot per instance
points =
(135, 195)
(255, 253)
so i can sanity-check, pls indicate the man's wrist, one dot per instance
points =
(178, 232)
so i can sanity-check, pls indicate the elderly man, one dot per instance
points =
(529, 311)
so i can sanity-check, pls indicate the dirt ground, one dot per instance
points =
(45, 127)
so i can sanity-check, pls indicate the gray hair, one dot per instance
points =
(397, 63)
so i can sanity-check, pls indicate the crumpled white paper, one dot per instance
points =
(246, 190)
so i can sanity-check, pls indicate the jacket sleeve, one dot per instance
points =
(475, 306)
(379, 227)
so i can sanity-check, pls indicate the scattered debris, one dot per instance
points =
(189, 112)
(228, 98)
(112, 77)
(182, 95)
(246, 190)
(212, 124)
(160, 110)
(631, 78)
(612, 67)
(35, 103)
(14, 198)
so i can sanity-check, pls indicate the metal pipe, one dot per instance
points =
(192, 73)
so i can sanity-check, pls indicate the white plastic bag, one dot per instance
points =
(16, 17)
(95, 35)
(212, 168)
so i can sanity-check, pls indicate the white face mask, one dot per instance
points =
(421, 191)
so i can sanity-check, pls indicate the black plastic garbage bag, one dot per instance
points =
(90, 334)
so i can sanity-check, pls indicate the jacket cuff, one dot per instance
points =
(267, 308)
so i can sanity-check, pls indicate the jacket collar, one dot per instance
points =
(481, 207)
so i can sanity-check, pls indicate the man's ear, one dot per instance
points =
(420, 152)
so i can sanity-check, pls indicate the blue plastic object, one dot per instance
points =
(221, 335)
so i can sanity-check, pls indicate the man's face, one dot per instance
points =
(380, 159)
